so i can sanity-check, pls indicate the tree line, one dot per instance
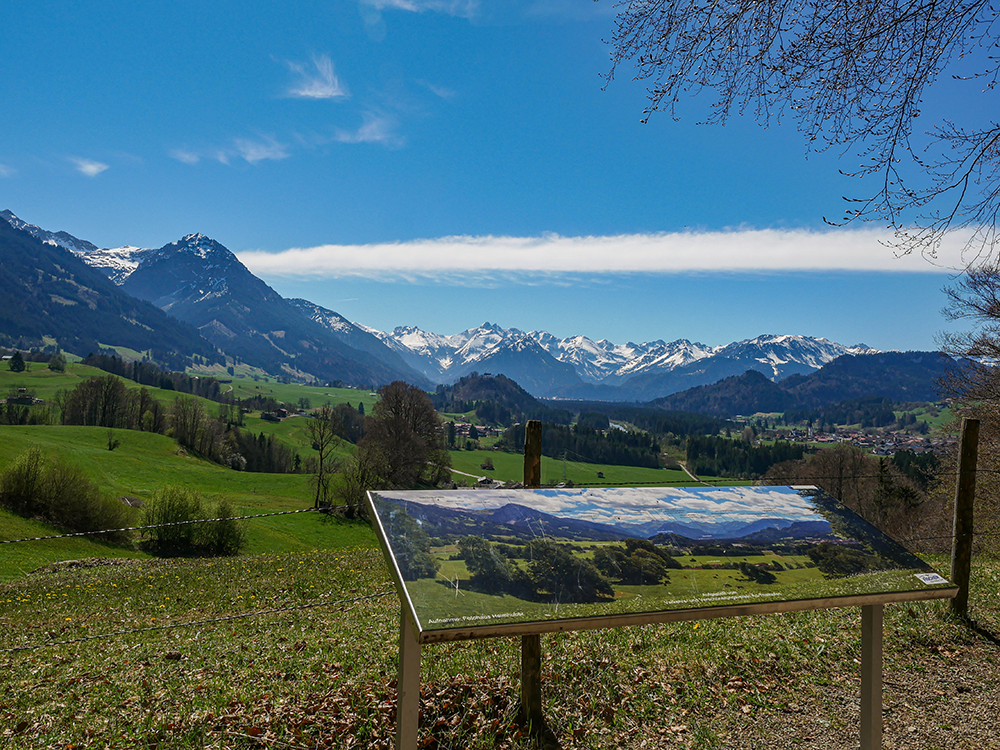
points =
(714, 455)
(618, 447)
(654, 421)
(106, 401)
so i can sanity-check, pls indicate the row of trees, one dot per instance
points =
(620, 447)
(714, 455)
(553, 573)
(106, 401)
(63, 495)
(146, 373)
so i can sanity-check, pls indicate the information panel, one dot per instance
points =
(473, 563)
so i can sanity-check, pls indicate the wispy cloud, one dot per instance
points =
(376, 128)
(260, 149)
(185, 156)
(251, 150)
(440, 91)
(740, 250)
(316, 81)
(460, 8)
(88, 167)
(6, 171)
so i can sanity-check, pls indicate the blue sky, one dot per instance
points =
(440, 163)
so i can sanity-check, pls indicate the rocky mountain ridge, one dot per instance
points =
(201, 282)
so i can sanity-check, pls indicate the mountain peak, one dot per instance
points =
(199, 245)
(57, 239)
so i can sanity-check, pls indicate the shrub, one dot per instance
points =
(61, 494)
(20, 485)
(75, 502)
(172, 505)
(225, 535)
(222, 535)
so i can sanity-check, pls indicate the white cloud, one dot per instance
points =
(88, 167)
(252, 150)
(6, 171)
(460, 8)
(185, 156)
(318, 81)
(257, 150)
(376, 129)
(439, 91)
(739, 250)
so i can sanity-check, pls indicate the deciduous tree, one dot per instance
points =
(322, 431)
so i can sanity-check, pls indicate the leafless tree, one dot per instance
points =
(852, 75)
(322, 431)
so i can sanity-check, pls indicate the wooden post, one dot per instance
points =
(871, 677)
(965, 496)
(533, 454)
(407, 685)
(531, 684)
(531, 645)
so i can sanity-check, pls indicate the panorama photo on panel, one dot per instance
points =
(470, 558)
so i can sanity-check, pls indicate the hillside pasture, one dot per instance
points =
(291, 393)
(324, 676)
(145, 462)
(509, 467)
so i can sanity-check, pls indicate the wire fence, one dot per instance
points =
(159, 525)
(353, 600)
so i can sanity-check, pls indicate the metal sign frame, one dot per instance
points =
(414, 633)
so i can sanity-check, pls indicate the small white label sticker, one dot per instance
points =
(931, 578)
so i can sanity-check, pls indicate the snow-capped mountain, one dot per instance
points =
(57, 239)
(785, 355)
(199, 281)
(602, 368)
(605, 362)
(115, 263)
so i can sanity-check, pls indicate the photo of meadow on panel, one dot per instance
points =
(482, 557)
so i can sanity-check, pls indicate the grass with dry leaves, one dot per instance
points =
(324, 676)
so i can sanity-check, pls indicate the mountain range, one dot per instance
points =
(199, 282)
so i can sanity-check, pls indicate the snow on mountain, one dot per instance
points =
(784, 353)
(477, 342)
(58, 239)
(445, 358)
(118, 262)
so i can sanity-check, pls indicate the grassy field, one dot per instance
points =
(45, 383)
(509, 467)
(291, 393)
(143, 463)
(323, 676)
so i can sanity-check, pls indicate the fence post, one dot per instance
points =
(965, 495)
(531, 645)
(533, 453)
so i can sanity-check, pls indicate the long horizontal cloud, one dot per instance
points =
(737, 250)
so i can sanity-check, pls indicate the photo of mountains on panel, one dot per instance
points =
(471, 558)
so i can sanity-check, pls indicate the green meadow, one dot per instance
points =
(145, 462)
(509, 467)
(305, 662)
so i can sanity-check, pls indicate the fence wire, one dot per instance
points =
(160, 525)
(194, 623)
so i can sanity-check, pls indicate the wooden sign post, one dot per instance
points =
(531, 645)
(965, 498)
